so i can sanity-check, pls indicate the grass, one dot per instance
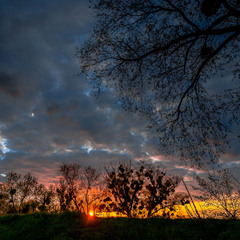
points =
(72, 225)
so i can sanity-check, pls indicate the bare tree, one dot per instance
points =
(44, 196)
(61, 194)
(158, 58)
(4, 198)
(79, 188)
(92, 189)
(220, 194)
(20, 189)
(68, 185)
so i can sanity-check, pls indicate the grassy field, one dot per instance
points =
(70, 225)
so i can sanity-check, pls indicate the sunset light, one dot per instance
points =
(91, 214)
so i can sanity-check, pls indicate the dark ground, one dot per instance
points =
(70, 225)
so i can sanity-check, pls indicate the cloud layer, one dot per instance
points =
(48, 115)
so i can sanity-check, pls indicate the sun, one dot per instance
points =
(91, 214)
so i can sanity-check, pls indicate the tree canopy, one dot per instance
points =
(159, 58)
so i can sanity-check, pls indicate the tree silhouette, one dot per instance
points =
(220, 193)
(160, 190)
(68, 185)
(125, 186)
(141, 192)
(158, 58)
(92, 189)
(4, 198)
(44, 196)
(20, 189)
(79, 188)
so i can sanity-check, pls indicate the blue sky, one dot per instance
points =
(47, 113)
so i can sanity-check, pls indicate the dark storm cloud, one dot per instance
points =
(8, 85)
(52, 109)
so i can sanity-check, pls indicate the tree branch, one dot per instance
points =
(207, 32)
(234, 12)
(203, 65)
(183, 15)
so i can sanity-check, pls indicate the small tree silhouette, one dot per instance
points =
(220, 194)
(79, 188)
(20, 189)
(68, 185)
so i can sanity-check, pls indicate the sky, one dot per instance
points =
(47, 113)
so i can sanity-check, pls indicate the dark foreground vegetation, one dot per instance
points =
(72, 225)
